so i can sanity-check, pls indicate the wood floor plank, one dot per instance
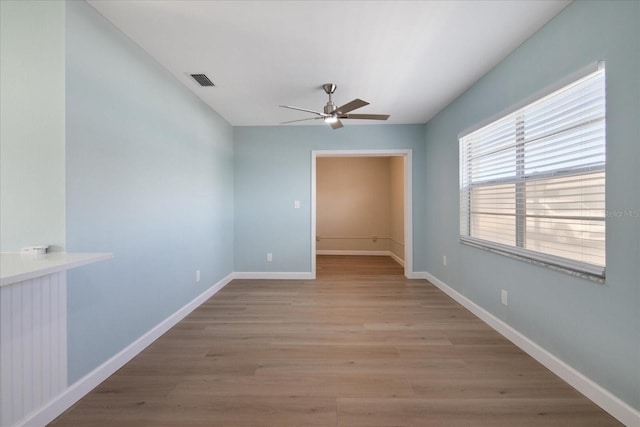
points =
(491, 412)
(359, 346)
(203, 410)
(311, 385)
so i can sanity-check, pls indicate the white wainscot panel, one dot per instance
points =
(33, 344)
(33, 331)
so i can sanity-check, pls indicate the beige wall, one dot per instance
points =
(396, 206)
(356, 201)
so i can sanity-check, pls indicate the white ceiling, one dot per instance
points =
(409, 59)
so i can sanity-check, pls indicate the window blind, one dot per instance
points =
(532, 183)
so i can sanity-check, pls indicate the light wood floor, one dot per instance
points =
(359, 346)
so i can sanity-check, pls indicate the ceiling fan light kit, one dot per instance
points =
(332, 114)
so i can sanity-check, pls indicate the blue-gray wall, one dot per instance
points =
(32, 137)
(272, 169)
(593, 327)
(148, 177)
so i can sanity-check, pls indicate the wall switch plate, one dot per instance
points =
(503, 297)
(296, 204)
(269, 256)
(444, 260)
(197, 275)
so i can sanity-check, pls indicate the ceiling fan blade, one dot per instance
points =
(365, 116)
(301, 120)
(304, 109)
(350, 106)
(337, 124)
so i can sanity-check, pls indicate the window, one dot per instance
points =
(532, 183)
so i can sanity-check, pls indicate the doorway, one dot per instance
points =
(405, 155)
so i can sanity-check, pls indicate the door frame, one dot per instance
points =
(406, 154)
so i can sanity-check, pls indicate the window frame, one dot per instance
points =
(519, 180)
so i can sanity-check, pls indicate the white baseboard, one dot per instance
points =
(360, 253)
(80, 388)
(423, 275)
(396, 258)
(271, 275)
(595, 392)
(350, 252)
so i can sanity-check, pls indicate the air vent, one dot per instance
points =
(202, 79)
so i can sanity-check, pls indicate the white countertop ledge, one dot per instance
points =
(16, 267)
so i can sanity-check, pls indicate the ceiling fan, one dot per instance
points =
(333, 114)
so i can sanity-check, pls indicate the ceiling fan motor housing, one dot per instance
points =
(330, 107)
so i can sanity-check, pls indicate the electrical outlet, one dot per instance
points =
(444, 260)
(504, 296)
(197, 275)
(296, 204)
(269, 257)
